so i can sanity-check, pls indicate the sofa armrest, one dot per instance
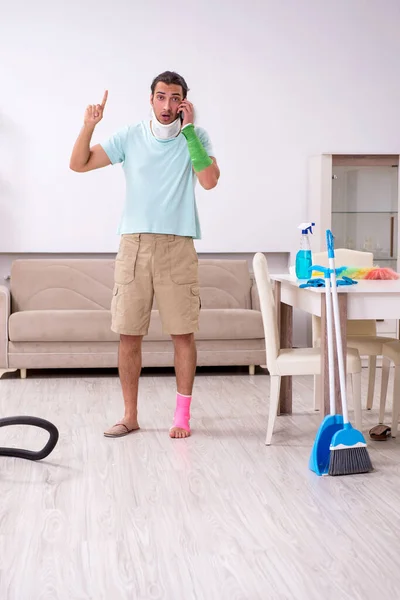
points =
(4, 316)
(255, 299)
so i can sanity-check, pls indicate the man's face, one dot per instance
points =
(165, 102)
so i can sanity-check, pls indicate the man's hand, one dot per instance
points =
(94, 112)
(188, 112)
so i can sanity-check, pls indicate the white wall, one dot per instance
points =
(273, 81)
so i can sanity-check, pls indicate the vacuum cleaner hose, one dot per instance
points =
(36, 422)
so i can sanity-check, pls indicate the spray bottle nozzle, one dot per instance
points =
(306, 227)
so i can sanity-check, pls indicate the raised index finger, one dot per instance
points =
(103, 102)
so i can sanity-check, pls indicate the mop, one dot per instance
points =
(348, 448)
(320, 454)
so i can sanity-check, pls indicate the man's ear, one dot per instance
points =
(151, 99)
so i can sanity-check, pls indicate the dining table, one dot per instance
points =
(366, 299)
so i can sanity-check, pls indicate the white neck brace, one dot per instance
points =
(164, 132)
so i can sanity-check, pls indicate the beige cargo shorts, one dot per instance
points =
(154, 264)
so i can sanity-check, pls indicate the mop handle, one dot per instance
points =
(329, 335)
(329, 331)
(339, 346)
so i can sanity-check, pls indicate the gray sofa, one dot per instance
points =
(56, 314)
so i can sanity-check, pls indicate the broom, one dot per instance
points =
(348, 449)
(320, 454)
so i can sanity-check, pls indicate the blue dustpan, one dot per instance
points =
(321, 452)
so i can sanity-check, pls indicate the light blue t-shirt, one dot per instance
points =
(160, 181)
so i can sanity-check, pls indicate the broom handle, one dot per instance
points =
(329, 331)
(339, 346)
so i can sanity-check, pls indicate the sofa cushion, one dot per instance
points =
(87, 284)
(61, 284)
(224, 283)
(95, 325)
(61, 326)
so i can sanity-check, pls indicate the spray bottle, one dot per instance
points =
(303, 256)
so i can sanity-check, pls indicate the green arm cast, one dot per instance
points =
(198, 155)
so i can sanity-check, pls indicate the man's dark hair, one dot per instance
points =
(170, 78)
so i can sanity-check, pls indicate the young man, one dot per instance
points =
(162, 159)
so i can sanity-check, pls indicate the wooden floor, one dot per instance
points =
(216, 517)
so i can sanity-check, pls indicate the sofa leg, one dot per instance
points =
(252, 369)
(23, 373)
(2, 371)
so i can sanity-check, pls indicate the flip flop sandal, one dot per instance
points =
(118, 430)
(380, 433)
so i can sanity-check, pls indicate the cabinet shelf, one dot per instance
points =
(358, 198)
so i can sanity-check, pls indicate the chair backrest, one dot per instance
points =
(346, 258)
(268, 308)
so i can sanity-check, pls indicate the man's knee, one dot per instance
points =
(131, 342)
(186, 339)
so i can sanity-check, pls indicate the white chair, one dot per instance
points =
(361, 334)
(299, 361)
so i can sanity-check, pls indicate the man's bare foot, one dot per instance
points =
(177, 432)
(122, 428)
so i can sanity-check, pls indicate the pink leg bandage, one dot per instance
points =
(182, 412)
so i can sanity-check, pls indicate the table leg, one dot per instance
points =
(285, 327)
(324, 355)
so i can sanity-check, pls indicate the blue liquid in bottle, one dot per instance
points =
(303, 264)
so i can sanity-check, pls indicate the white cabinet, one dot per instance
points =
(357, 197)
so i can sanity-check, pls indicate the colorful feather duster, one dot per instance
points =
(366, 273)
